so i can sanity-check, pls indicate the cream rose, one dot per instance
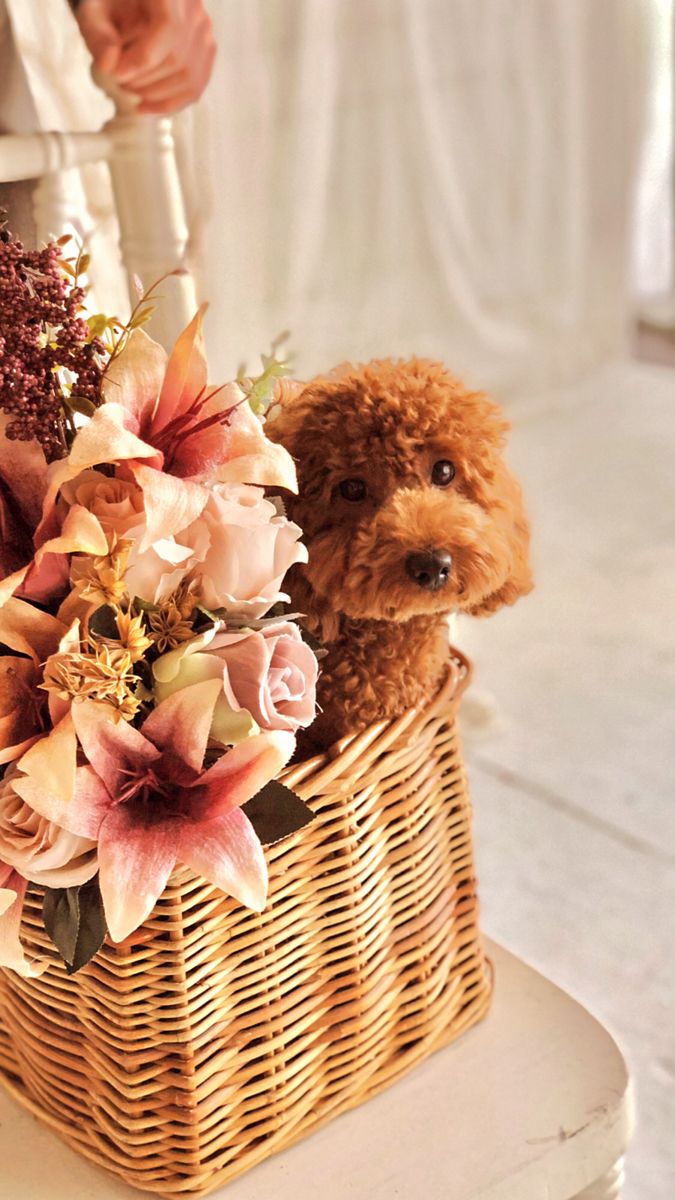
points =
(37, 848)
(242, 549)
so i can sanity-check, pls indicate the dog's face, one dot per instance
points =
(406, 503)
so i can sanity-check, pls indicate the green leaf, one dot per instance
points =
(79, 404)
(103, 622)
(98, 323)
(75, 921)
(276, 812)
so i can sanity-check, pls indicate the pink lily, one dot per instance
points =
(147, 799)
(163, 427)
(12, 955)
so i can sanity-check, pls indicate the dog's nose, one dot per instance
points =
(430, 569)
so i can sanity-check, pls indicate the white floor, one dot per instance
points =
(574, 787)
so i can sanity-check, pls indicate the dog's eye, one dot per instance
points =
(353, 489)
(443, 473)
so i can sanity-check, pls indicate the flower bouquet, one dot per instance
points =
(148, 699)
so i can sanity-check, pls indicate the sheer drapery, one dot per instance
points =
(449, 177)
(654, 242)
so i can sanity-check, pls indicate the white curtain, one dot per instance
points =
(654, 242)
(446, 177)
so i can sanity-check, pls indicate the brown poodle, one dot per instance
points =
(409, 514)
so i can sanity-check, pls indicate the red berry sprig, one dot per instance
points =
(41, 331)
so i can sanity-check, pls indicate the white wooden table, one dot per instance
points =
(532, 1104)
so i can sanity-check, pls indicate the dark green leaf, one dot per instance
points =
(75, 921)
(102, 623)
(276, 812)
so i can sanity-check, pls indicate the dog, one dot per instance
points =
(410, 514)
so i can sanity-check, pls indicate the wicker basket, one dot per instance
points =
(217, 1036)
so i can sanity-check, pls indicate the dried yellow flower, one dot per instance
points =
(101, 580)
(132, 633)
(105, 673)
(185, 597)
(169, 627)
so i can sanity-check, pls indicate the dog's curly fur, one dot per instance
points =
(388, 423)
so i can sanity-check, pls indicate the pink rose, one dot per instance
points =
(269, 679)
(271, 674)
(38, 849)
(243, 549)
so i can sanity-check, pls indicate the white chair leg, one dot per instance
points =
(606, 1188)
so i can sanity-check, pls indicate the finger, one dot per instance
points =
(172, 105)
(165, 89)
(151, 45)
(100, 34)
(145, 78)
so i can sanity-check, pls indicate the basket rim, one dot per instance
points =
(352, 745)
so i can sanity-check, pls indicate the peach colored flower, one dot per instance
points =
(41, 850)
(31, 636)
(118, 503)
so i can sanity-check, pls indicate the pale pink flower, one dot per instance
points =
(242, 550)
(270, 674)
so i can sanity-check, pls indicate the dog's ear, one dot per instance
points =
(517, 529)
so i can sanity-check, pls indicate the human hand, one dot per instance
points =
(160, 50)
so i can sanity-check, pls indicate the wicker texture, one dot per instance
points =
(217, 1036)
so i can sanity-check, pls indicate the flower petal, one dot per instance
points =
(12, 954)
(133, 380)
(29, 630)
(227, 852)
(11, 584)
(167, 667)
(243, 771)
(252, 457)
(82, 814)
(20, 722)
(186, 373)
(135, 862)
(171, 504)
(52, 761)
(104, 439)
(23, 469)
(181, 723)
(81, 533)
(114, 748)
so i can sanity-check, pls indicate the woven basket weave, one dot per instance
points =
(217, 1036)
